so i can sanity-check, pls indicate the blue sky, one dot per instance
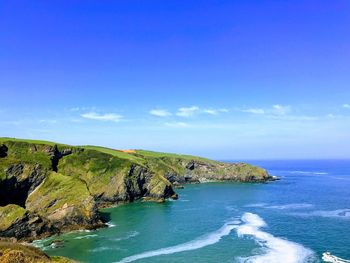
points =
(222, 79)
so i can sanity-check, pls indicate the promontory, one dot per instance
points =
(48, 188)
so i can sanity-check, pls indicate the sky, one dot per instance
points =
(224, 79)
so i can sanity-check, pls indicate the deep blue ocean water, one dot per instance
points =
(295, 219)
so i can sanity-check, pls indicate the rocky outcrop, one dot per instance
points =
(50, 202)
(56, 155)
(21, 179)
(199, 171)
(240, 172)
(19, 223)
(65, 202)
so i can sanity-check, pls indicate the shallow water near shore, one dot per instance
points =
(295, 219)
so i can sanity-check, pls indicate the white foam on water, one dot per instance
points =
(128, 236)
(328, 257)
(198, 243)
(42, 243)
(110, 224)
(275, 249)
(257, 205)
(339, 213)
(307, 172)
(101, 249)
(291, 206)
(86, 236)
(294, 206)
(38, 244)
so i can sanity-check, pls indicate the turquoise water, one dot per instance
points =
(295, 219)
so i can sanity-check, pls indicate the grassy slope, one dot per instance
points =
(116, 153)
(97, 169)
(56, 191)
(9, 214)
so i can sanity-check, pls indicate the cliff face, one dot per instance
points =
(47, 188)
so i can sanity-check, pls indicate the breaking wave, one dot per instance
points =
(275, 250)
(198, 243)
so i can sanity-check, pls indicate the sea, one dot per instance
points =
(295, 219)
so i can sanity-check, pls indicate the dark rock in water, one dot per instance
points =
(3, 150)
(178, 185)
(57, 243)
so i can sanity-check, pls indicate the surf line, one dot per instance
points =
(274, 249)
(203, 241)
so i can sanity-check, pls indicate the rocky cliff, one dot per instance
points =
(47, 188)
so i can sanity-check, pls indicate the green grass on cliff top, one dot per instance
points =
(138, 156)
(4, 139)
(171, 155)
(114, 152)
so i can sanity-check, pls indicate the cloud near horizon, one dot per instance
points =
(112, 117)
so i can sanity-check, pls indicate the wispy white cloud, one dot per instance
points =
(177, 124)
(214, 111)
(279, 112)
(195, 110)
(276, 109)
(160, 113)
(254, 111)
(288, 117)
(346, 106)
(102, 117)
(187, 111)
